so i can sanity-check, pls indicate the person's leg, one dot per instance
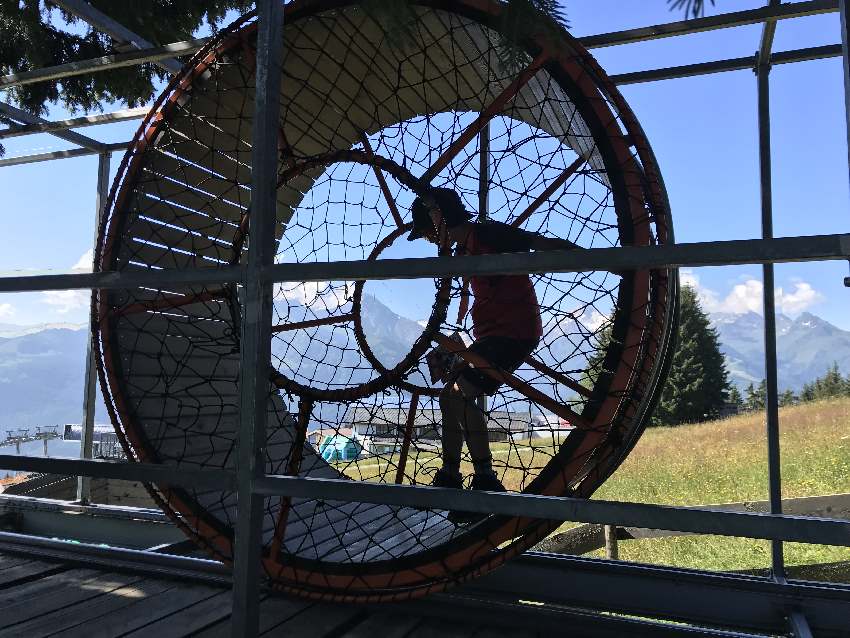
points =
(452, 432)
(474, 422)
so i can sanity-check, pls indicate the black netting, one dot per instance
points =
(364, 127)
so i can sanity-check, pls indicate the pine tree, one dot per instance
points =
(698, 385)
(830, 385)
(808, 392)
(735, 399)
(32, 37)
(756, 397)
(787, 398)
(596, 361)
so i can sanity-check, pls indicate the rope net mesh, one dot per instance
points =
(364, 128)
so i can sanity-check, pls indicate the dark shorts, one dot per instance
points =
(504, 353)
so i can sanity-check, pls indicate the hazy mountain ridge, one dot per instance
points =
(41, 378)
(806, 346)
(42, 367)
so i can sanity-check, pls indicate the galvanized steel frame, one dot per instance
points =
(260, 273)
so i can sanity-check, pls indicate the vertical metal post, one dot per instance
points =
(772, 396)
(484, 172)
(845, 45)
(483, 200)
(90, 391)
(255, 344)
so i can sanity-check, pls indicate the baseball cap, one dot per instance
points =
(450, 205)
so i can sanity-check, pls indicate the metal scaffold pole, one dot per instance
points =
(90, 392)
(772, 393)
(256, 321)
(845, 47)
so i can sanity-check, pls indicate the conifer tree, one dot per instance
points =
(698, 385)
(735, 399)
(756, 396)
(787, 398)
(831, 384)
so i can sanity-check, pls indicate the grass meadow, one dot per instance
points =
(725, 462)
(716, 462)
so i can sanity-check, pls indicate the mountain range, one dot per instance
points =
(806, 346)
(42, 367)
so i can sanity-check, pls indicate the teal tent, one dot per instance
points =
(336, 447)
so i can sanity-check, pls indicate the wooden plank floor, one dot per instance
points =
(46, 598)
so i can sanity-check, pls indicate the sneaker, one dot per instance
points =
(446, 479)
(487, 483)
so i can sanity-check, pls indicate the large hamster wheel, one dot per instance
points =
(364, 126)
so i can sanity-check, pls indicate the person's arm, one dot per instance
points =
(541, 242)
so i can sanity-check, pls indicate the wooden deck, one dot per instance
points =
(41, 598)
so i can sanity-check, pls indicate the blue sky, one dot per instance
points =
(703, 130)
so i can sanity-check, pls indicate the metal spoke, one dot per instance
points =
(293, 467)
(486, 115)
(312, 323)
(550, 190)
(528, 391)
(408, 434)
(557, 376)
(382, 182)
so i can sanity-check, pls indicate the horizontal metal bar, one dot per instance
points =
(750, 251)
(127, 471)
(36, 504)
(703, 597)
(104, 63)
(736, 601)
(753, 525)
(121, 280)
(69, 136)
(749, 525)
(624, 258)
(466, 607)
(53, 155)
(113, 526)
(710, 23)
(116, 558)
(123, 115)
(721, 66)
(118, 32)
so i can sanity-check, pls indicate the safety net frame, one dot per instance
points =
(175, 206)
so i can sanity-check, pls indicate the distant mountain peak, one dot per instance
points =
(11, 330)
(806, 346)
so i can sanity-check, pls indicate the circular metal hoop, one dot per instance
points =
(169, 359)
(387, 377)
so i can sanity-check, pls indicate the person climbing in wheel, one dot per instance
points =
(506, 325)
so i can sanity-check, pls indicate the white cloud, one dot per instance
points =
(803, 297)
(324, 295)
(65, 301)
(747, 296)
(6, 310)
(84, 262)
